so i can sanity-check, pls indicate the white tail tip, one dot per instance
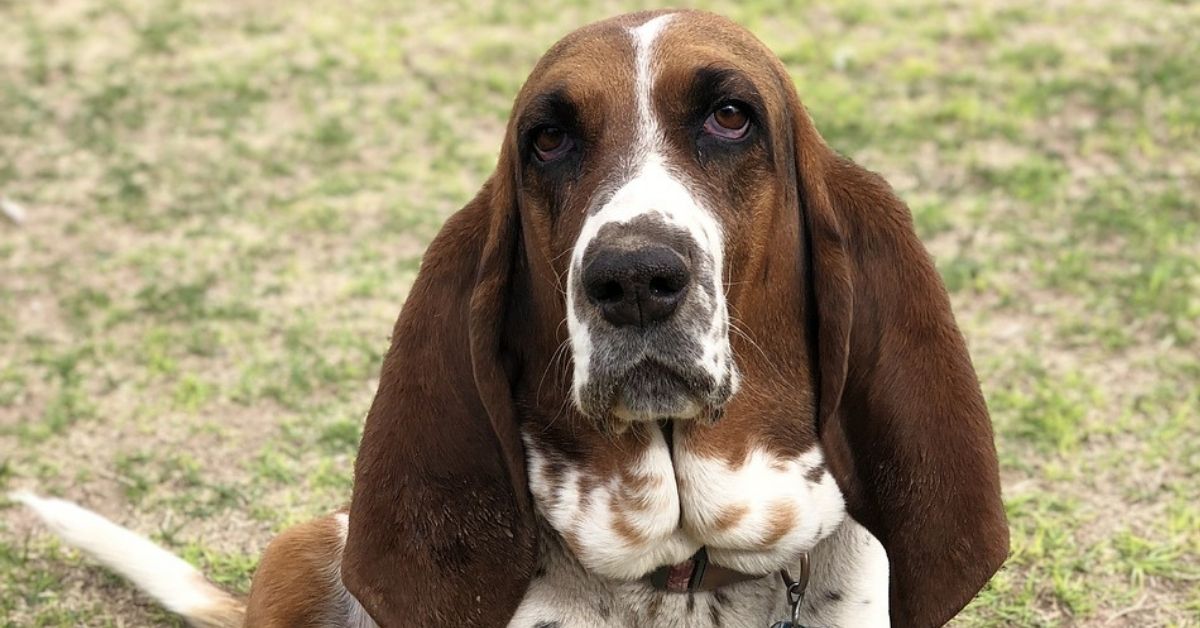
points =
(164, 576)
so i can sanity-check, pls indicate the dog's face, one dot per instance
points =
(645, 159)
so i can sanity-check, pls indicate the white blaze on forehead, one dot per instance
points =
(655, 189)
(646, 143)
(643, 47)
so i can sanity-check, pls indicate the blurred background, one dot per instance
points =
(214, 211)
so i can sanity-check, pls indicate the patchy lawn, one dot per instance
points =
(226, 202)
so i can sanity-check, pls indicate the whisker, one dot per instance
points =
(550, 365)
(735, 325)
(560, 255)
(561, 406)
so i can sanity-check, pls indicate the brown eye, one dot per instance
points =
(730, 117)
(551, 142)
(729, 121)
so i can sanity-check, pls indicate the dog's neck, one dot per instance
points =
(848, 588)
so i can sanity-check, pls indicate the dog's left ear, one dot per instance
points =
(902, 419)
(441, 526)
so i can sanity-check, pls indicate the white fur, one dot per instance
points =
(849, 563)
(681, 500)
(655, 189)
(169, 579)
(581, 345)
(580, 507)
(853, 563)
(164, 576)
(761, 484)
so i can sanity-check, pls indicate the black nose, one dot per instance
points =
(636, 286)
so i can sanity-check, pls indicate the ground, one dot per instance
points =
(225, 203)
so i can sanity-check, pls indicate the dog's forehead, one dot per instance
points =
(709, 35)
(602, 57)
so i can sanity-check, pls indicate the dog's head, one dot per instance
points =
(653, 158)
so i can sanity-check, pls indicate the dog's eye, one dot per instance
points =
(729, 121)
(551, 142)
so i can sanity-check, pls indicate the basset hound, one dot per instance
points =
(675, 358)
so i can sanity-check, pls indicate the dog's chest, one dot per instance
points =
(564, 595)
(646, 504)
(604, 526)
(848, 588)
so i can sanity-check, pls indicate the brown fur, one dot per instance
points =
(296, 581)
(729, 517)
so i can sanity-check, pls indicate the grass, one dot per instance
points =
(227, 202)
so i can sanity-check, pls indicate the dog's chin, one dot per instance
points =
(633, 408)
(652, 392)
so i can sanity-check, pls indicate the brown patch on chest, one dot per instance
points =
(781, 517)
(624, 528)
(729, 517)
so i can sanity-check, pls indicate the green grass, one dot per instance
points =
(228, 201)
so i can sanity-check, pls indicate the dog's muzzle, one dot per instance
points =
(646, 299)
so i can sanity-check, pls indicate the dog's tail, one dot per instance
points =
(164, 576)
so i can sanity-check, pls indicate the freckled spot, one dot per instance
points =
(815, 474)
(635, 492)
(637, 482)
(729, 516)
(654, 607)
(833, 596)
(620, 501)
(625, 530)
(781, 517)
(779, 465)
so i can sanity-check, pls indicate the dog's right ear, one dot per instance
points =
(903, 422)
(441, 527)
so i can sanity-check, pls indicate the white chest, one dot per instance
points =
(649, 504)
(656, 506)
(849, 587)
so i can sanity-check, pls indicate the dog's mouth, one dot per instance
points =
(652, 391)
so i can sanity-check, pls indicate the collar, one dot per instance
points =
(697, 574)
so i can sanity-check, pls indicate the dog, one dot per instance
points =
(677, 363)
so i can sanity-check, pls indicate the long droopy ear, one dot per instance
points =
(902, 418)
(441, 529)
